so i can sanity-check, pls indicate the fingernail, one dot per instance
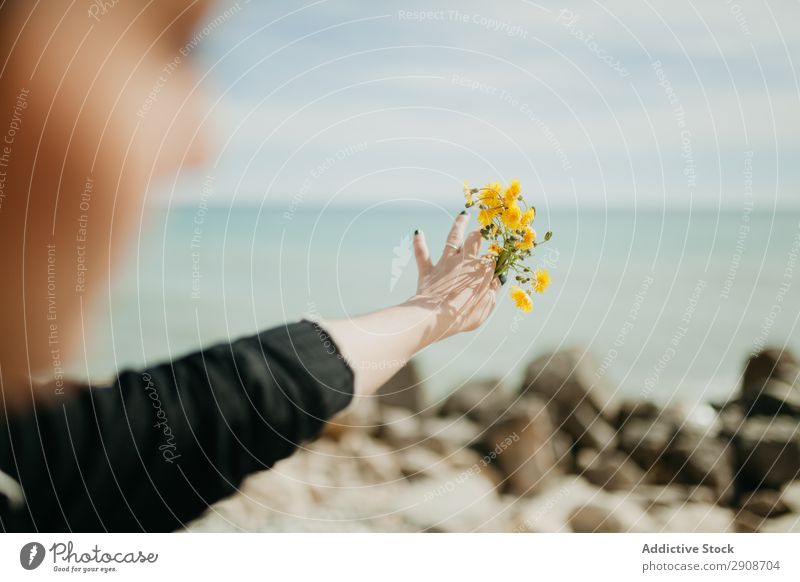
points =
(503, 279)
(416, 232)
(463, 212)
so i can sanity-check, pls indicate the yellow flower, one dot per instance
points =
(541, 280)
(491, 195)
(521, 298)
(495, 248)
(527, 239)
(512, 216)
(511, 192)
(485, 216)
(528, 216)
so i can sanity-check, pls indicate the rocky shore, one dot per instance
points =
(560, 453)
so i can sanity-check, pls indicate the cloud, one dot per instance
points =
(468, 89)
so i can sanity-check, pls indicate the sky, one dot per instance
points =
(672, 105)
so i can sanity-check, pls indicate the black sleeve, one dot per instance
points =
(153, 450)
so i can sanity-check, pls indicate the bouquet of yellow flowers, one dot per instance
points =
(506, 222)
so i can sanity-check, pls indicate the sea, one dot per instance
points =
(668, 303)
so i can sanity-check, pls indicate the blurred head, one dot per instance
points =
(97, 99)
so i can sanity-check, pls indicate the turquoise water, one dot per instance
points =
(671, 303)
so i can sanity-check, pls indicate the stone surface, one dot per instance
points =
(404, 389)
(768, 363)
(470, 460)
(746, 522)
(646, 441)
(399, 427)
(611, 470)
(591, 518)
(767, 383)
(764, 503)
(636, 410)
(569, 377)
(444, 435)
(482, 401)
(694, 458)
(672, 453)
(655, 496)
(418, 462)
(768, 452)
(731, 419)
(583, 425)
(520, 445)
(776, 397)
(580, 402)
(373, 458)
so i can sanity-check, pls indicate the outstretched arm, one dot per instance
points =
(153, 450)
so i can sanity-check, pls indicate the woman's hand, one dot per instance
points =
(456, 294)
(460, 289)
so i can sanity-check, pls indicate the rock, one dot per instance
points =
(611, 470)
(562, 446)
(731, 419)
(374, 459)
(463, 458)
(746, 522)
(694, 458)
(673, 453)
(767, 452)
(361, 415)
(769, 363)
(591, 518)
(569, 377)
(579, 401)
(777, 397)
(421, 461)
(520, 446)
(399, 427)
(670, 494)
(417, 462)
(586, 428)
(764, 503)
(404, 389)
(480, 400)
(646, 441)
(636, 410)
(767, 385)
(445, 435)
